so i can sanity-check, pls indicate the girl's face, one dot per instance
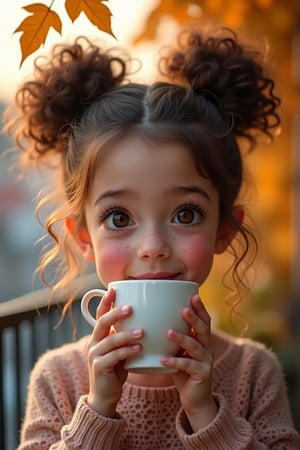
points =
(150, 214)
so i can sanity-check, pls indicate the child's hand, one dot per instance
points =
(106, 354)
(194, 376)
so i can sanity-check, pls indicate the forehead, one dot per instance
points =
(134, 151)
(145, 165)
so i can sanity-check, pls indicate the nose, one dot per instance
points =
(153, 245)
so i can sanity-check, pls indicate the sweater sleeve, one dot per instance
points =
(266, 424)
(226, 432)
(88, 430)
(57, 417)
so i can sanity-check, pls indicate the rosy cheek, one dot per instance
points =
(111, 262)
(198, 253)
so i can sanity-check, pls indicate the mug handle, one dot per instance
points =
(85, 304)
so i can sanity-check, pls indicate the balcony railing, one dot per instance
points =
(28, 327)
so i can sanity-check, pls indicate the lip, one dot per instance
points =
(156, 276)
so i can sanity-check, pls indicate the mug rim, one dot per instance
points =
(153, 280)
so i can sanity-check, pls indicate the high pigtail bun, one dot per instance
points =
(64, 85)
(233, 75)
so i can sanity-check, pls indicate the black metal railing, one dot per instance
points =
(28, 327)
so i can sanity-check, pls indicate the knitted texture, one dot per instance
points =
(248, 386)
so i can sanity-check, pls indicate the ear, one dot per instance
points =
(81, 237)
(227, 231)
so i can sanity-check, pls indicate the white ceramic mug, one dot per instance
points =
(157, 306)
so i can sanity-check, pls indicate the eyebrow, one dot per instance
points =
(188, 189)
(110, 193)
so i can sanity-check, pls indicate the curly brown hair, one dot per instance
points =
(80, 102)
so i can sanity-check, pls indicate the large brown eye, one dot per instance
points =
(118, 220)
(186, 216)
(189, 215)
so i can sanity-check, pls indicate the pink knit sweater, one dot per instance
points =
(248, 387)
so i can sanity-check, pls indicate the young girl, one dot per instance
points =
(151, 183)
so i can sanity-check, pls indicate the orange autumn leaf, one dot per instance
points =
(97, 13)
(36, 27)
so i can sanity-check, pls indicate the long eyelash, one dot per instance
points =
(103, 216)
(195, 206)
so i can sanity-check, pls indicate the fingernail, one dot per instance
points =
(125, 309)
(135, 347)
(173, 333)
(199, 301)
(164, 359)
(188, 312)
(137, 332)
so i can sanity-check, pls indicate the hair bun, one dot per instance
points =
(64, 85)
(232, 73)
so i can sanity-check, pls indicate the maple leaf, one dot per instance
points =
(36, 27)
(97, 13)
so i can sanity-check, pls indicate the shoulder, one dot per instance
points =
(57, 381)
(245, 352)
(249, 373)
(68, 353)
(64, 363)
